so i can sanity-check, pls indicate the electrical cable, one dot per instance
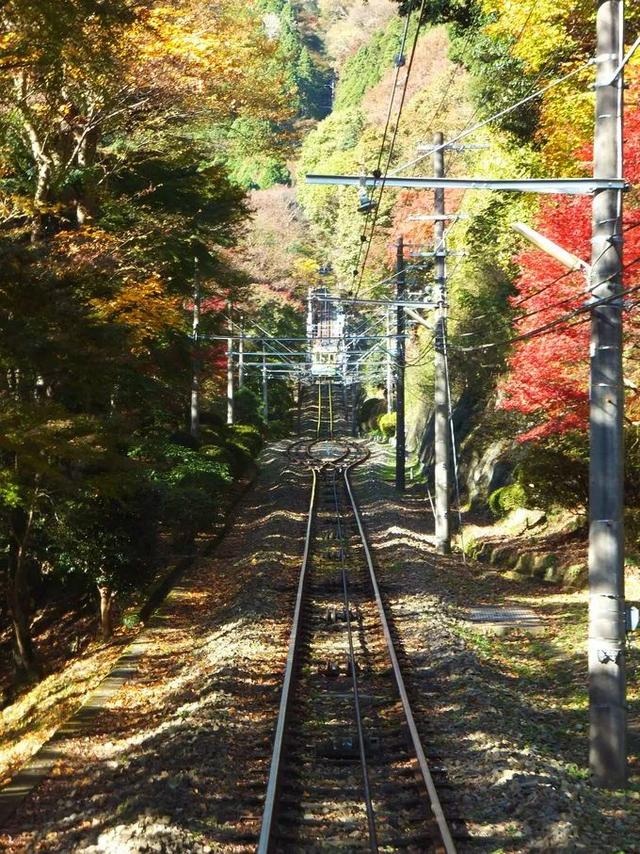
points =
(542, 289)
(559, 278)
(471, 32)
(496, 116)
(392, 146)
(548, 327)
(466, 130)
(386, 128)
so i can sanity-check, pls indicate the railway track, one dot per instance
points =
(348, 771)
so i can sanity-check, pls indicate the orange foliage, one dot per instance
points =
(145, 308)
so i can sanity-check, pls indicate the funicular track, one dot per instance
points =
(348, 771)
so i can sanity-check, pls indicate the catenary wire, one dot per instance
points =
(549, 327)
(386, 129)
(392, 145)
(498, 115)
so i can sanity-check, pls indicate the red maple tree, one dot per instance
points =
(547, 377)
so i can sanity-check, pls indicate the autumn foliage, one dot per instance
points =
(548, 373)
(116, 195)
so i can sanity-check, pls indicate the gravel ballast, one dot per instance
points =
(178, 760)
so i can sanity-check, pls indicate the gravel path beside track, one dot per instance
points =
(500, 714)
(177, 759)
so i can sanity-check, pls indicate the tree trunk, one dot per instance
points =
(44, 170)
(86, 203)
(107, 597)
(40, 197)
(27, 666)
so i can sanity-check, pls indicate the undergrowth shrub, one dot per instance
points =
(106, 540)
(387, 425)
(507, 498)
(190, 483)
(555, 473)
(247, 406)
(244, 444)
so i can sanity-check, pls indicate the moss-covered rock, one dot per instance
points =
(502, 501)
(574, 575)
(524, 564)
(504, 556)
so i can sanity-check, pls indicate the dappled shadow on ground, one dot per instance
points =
(179, 758)
(505, 717)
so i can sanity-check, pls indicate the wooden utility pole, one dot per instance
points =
(400, 355)
(195, 360)
(607, 689)
(441, 416)
(230, 396)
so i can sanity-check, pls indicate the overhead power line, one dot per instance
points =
(479, 125)
(548, 327)
(392, 99)
(393, 143)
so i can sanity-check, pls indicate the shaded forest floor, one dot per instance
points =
(178, 760)
(73, 657)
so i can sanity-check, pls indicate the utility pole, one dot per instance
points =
(230, 400)
(265, 386)
(241, 354)
(195, 366)
(390, 352)
(441, 415)
(607, 688)
(400, 354)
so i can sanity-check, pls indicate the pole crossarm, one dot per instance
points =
(256, 353)
(393, 303)
(558, 186)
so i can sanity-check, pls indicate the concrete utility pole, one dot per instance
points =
(241, 354)
(607, 688)
(400, 432)
(389, 364)
(230, 396)
(195, 367)
(441, 416)
(265, 385)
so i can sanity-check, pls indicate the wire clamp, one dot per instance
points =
(613, 656)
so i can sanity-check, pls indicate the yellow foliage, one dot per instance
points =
(566, 120)
(538, 28)
(305, 268)
(144, 307)
(218, 56)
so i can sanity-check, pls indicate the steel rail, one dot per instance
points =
(330, 391)
(308, 444)
(371, 821)
(283, 713)
(436, 806)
